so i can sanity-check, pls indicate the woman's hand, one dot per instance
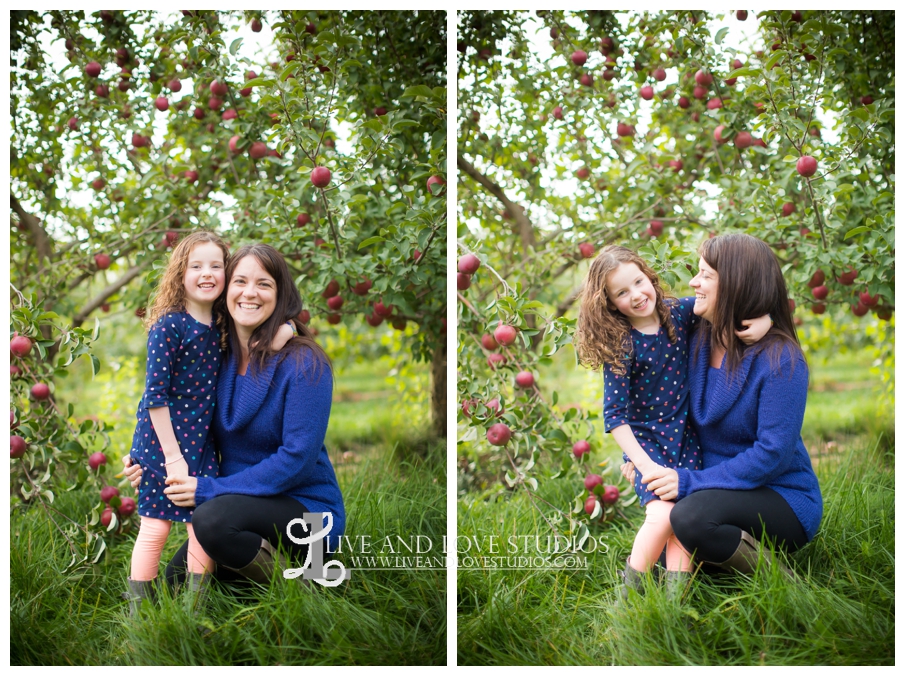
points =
(181, 491)
(132, 472)
(628, 471)
(663, 481)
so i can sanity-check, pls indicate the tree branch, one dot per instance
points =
(98, 300)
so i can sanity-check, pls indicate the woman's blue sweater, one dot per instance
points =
(749, 424)
(269, 428)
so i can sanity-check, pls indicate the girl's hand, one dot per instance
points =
(132, 472)
(663, 481)
(756, 329)
(628, 471)
(178, 469)
(284, 335)
(181, 491)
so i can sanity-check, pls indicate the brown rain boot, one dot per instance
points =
(260, 569)
(744, 559)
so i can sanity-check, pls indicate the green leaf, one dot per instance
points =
(234, 47)
(417, 90)
(259, 82)
(856, 231)
(774, 59)
(369, 241)
(720, 34)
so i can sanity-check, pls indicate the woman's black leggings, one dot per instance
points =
(709, 523)
(230, 528)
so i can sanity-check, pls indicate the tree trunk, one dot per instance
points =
(438, 391)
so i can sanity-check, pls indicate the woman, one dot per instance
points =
(271, 416)
(747, 406)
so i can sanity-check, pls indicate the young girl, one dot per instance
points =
(175, 413)
(640, 337)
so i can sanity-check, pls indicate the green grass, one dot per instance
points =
(841, 613)
(378, 617)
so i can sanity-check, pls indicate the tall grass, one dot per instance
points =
(841, 612)
(386, 617)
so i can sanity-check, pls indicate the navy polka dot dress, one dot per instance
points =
(183, 363)
(653, 396)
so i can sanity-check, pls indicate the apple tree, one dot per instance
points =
(322, 133)
(654, 130)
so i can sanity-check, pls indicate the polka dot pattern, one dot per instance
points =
(183, 364)
(652, 398)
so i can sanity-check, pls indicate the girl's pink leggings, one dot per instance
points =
(152, 536)
(654, 534)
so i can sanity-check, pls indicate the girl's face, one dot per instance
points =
(705, 286)
(631, 292)
(205, 278)
(252, 294)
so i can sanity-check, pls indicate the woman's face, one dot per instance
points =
(705, 286)
(251, 296)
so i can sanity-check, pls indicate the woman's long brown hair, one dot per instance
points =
(749, 285)
(602, 333)
(288, 307)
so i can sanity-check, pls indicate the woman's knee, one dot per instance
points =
(690, 522)
(211, 523)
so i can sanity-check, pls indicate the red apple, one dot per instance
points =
(505, 334)
(108, 492)
(495, 359)
(303, 220)
(320, 177)
(590, 505)
(374, 319)
(579, 448)
(684, 102)
(191, 175)
(718, 134)
(610, 494)
(162, 103)
(106, 517)
(676, 165)
(647, 92)
(379, 111)
(591, 481)
(93, 69)
(714, 103)
(583, 173)
(623, 129)
(820, 292)
(703, 78)
(495, 406)
(557, 112)
(218, 88)
(17, 446)
(609, 74)
(362, 287)
(788, 209)
(102, 261)
(659, 74)
(214, 103)
(867, 299)
(102, 91)
(256, 26)
(74, 123)
(95, 460)
(40, 391)
(258, 150)
(741, 15)
(230, 114)
(860, 309)
(579, 57)
(806, 166)
(335, 302)
(469, 264)
(586, 249)
(867, 100)
(126, 507)
(524, 379)
(885, 314)
(587, 80)
(848, 278)
(334, 319)
(818, 278)
(20, 346)
(98, 183)
(382, 310)
(488, 342)
(499, 434)
(656, 227)
(438, 180)
(743, 140)
(463, 281)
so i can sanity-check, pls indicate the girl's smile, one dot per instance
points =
(634, 296)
